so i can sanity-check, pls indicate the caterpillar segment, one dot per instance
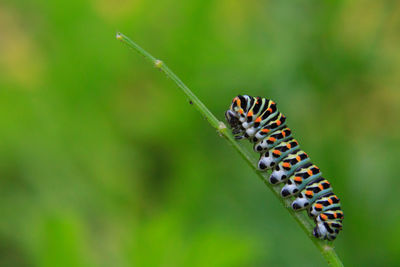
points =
(274, 139)
(287, 166)
(324, 203)
(311, 192)
(327, 230)
(329, 224)
(268, 159)
(258, 120)
(300, 179)
(276, 123)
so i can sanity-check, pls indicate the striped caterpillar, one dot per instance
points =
(258, 120)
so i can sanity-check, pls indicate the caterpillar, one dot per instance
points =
(258, 120)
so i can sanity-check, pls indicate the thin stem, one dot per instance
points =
(325, 248)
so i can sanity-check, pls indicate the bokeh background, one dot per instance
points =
(103, 162)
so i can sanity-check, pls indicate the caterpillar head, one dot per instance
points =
(232, 119)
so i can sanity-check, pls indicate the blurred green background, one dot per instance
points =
(103, 162)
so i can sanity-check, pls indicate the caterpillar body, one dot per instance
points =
(258, 120)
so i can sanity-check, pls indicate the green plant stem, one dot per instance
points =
(326, 248)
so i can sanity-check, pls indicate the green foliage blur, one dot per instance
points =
(103, 162)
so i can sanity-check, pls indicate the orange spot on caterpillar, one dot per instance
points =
(298, 179)
(309, 172)
(265, 130)
(286, 164)
(319, 206)
(278, 123)
(277, 152)
(309, 193)
(323, 217)
(298, 158)
(250, 113)
(272, 139)
(258, 119)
